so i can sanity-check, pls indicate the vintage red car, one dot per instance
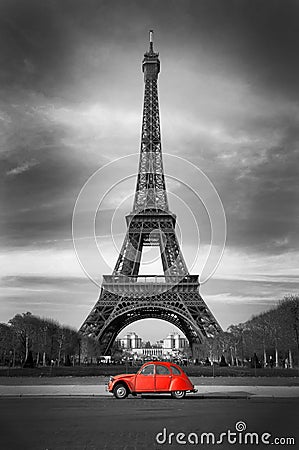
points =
(152, 377)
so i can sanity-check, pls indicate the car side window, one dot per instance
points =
(162, 370)
(148, 370)
(175, 370)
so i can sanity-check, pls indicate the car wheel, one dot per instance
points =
(178, 394)
(120, 391)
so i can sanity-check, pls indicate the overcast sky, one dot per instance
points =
(71, 101)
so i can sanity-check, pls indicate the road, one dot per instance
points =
(133, 423)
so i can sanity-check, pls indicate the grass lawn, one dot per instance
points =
(99, 374)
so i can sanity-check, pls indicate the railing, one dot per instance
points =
(168, 279)
(149, 283)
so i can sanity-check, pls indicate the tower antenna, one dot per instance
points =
(151, 40)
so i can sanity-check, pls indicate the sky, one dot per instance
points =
(71, 103)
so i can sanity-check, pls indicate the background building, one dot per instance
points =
(130, 341)
(173, 345)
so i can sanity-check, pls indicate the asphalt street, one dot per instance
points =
(132, 424)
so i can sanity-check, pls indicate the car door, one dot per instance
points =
(162, 378)
(145, 379)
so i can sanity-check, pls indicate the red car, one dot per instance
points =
(152, 377)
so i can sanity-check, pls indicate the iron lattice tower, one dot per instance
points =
(125, 296)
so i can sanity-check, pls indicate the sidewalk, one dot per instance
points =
(100, 391)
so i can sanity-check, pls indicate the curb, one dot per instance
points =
(199, 397)
(151, 396)
(95, 391)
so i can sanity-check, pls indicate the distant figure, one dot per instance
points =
(286, 363)
(29, 363)
(223, 363)
(255, 362)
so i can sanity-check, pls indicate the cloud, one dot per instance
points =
(40, 283)
(228, 298)
(237, 300)
(66, 299)
(27, 165)
(59, 260)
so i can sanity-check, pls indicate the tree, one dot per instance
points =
(237, 342)
(289, 318)
(25, 327)
(7, 345)
(272, 333)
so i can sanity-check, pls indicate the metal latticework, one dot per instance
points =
(125, 296)
(150, 189)
(123, 300)
(150, 222)
(154, 229)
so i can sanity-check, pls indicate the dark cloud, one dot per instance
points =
(66, 299)
(61, 283)
(34, 46)
(262, 204)
(39, 186)
(257, 38)
(40, 40)
(235, 301)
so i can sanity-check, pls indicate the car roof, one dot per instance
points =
(165, 363)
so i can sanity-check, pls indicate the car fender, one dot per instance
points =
(128, 383)
(177, 384)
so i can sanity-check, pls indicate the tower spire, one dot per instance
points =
(150, 188)
(151, 40)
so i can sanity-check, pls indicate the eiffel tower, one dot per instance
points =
(126, 296)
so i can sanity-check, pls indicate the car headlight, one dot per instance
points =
(111, 379)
